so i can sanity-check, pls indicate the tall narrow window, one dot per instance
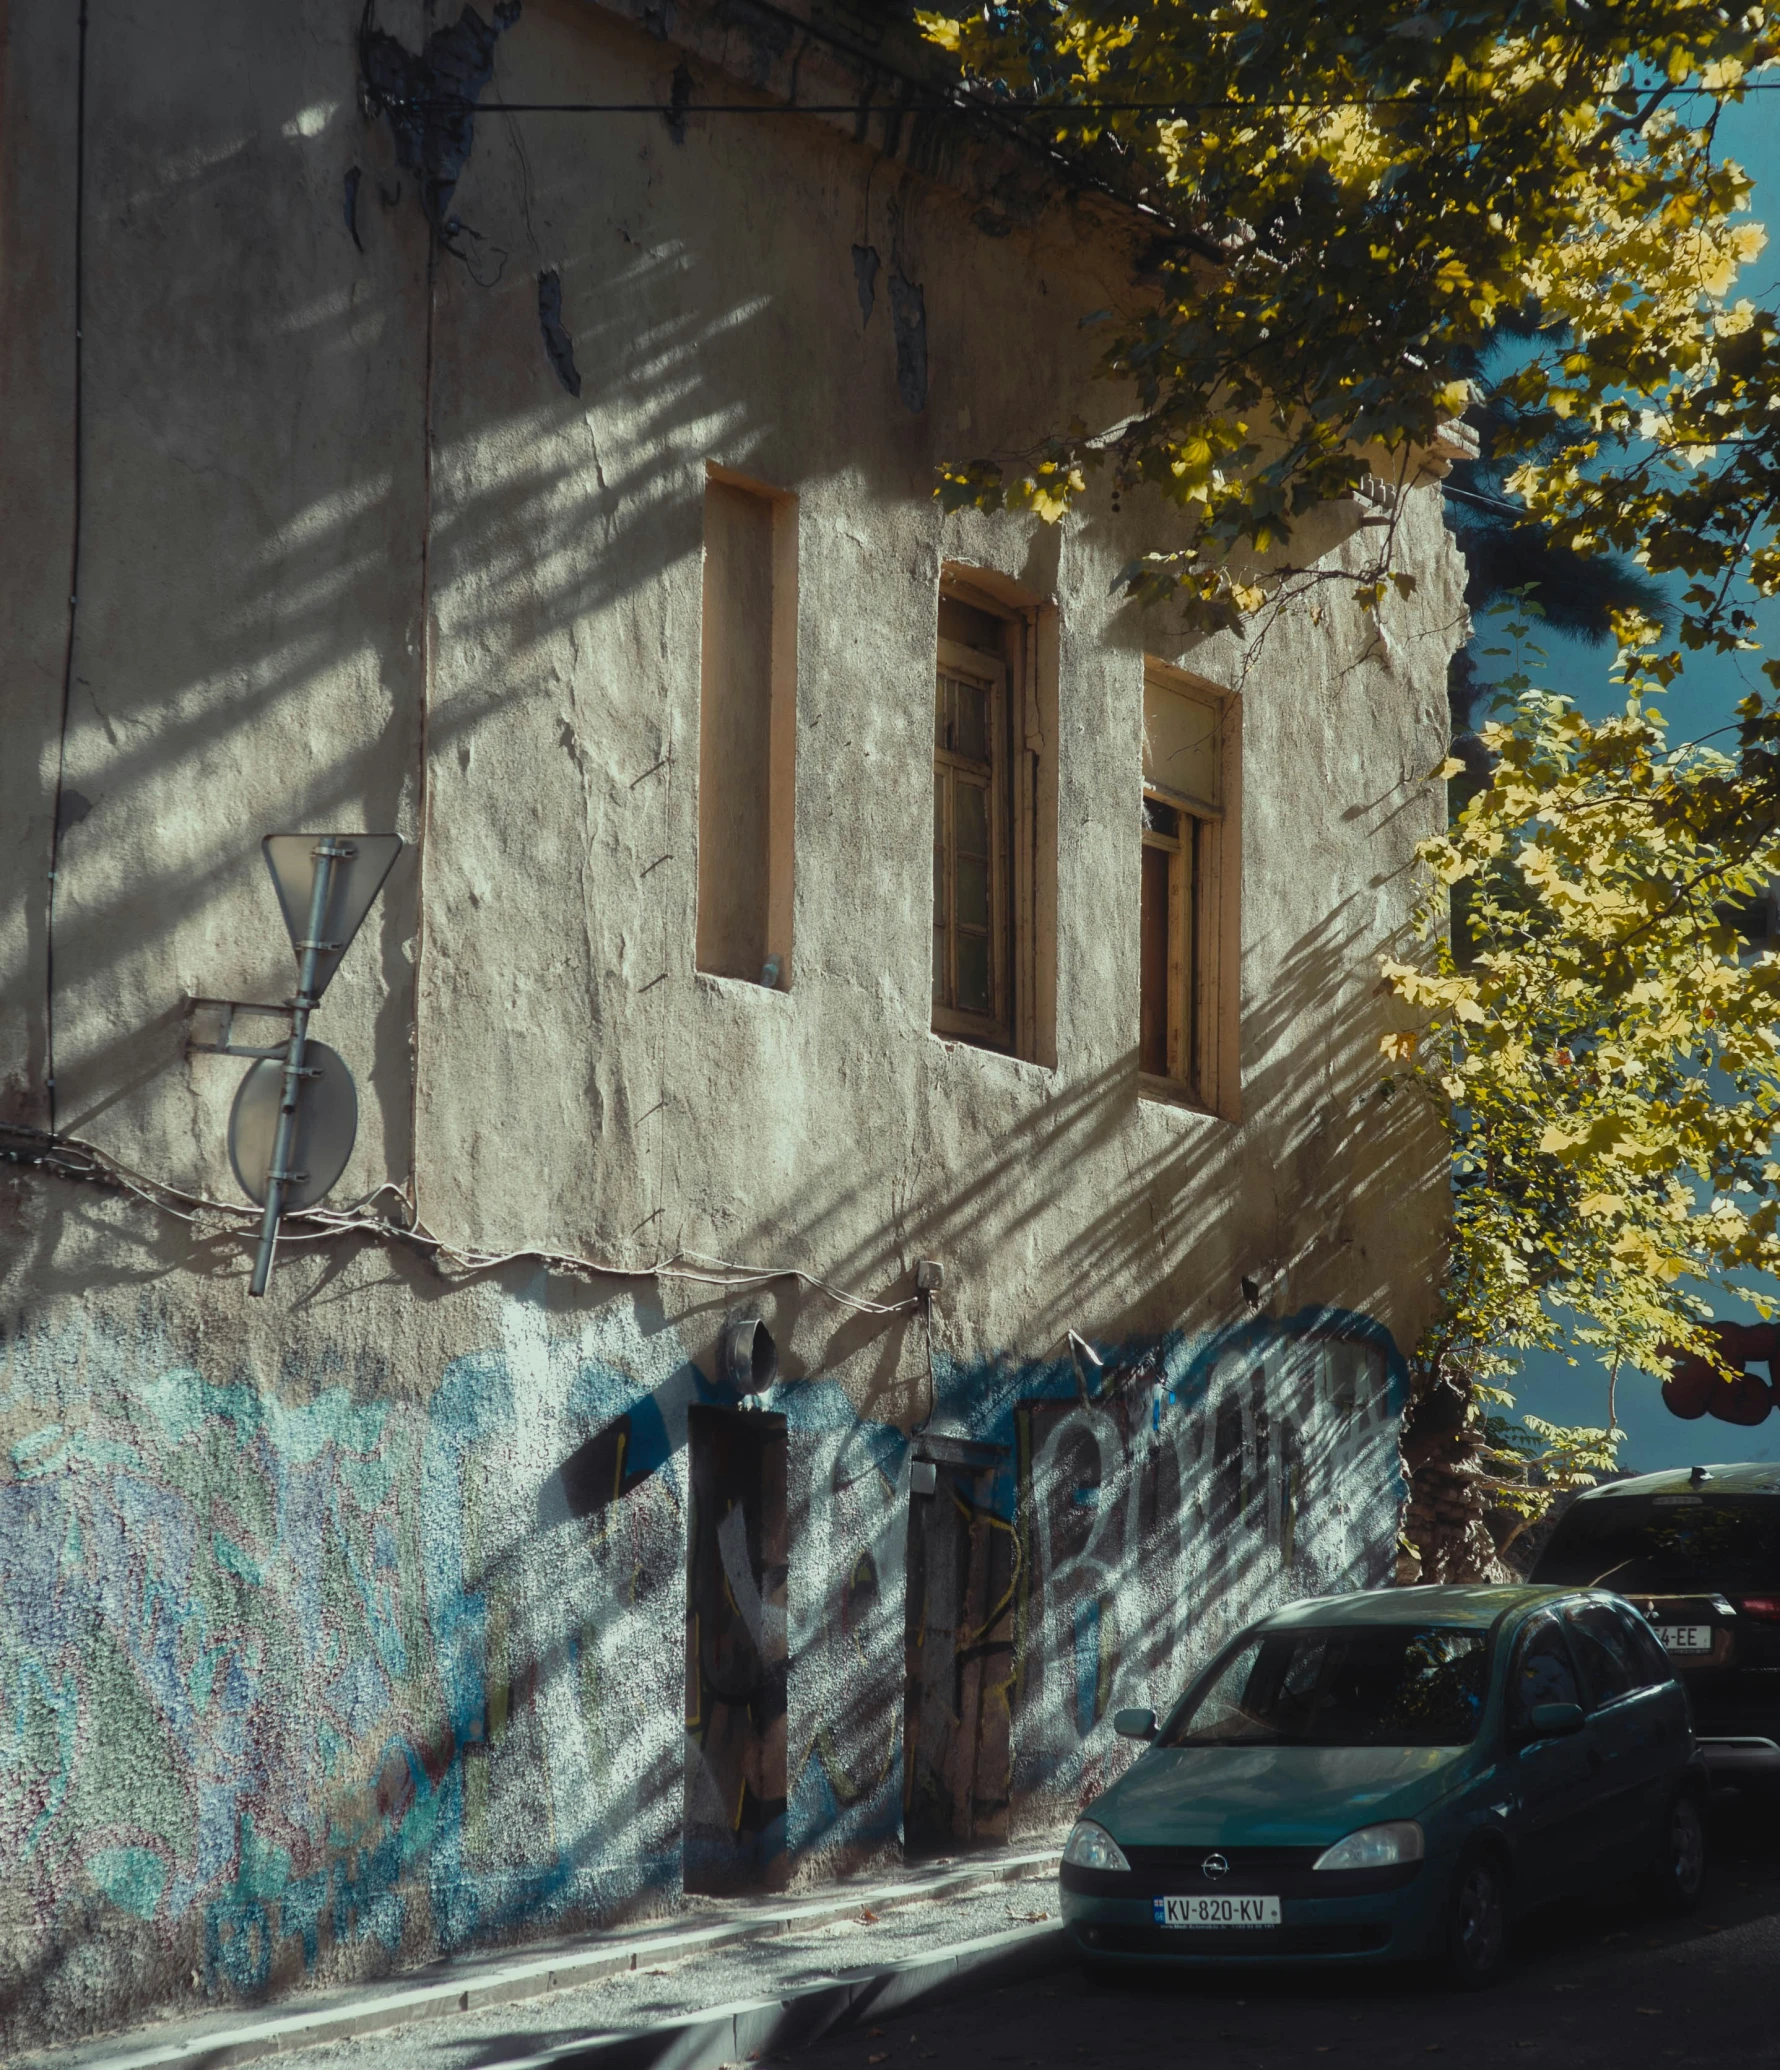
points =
(747, 733)
(994, 817)
(1187, 919)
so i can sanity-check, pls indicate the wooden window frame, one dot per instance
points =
(1025, 1022)
(1182, 849)
(995, 1028)
(1204, 970)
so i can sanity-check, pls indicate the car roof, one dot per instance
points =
(1478, 1604)
(1750, 1477)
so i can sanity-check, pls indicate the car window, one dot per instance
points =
(1666, 1545)
(1655, 1666)
(1341, 1686)
(1603, 1649)
(1542, 1673)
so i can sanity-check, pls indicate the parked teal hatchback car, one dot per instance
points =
(1394, 1776)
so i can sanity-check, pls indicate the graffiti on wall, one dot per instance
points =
(1197, 1488)
(324, 1670)
(285, 1668)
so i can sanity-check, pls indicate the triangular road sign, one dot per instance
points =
(356, 882)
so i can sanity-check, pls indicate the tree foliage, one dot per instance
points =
(1529, 1462)
(1349, 204)
(1596, 1033)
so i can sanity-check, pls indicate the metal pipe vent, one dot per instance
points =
(747, 1358)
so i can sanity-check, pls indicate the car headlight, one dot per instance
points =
(1093, 1847)
(1375, 1847)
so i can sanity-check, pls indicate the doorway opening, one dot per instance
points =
(735, 1652)
(963, 1562)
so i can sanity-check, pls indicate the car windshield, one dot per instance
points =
(1667, 1545)
(1384, 1685)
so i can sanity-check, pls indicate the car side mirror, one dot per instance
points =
(1554, 1720)
(1135, 1723)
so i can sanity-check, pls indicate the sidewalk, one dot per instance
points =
(719, 1983)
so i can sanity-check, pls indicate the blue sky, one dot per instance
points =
(1706, 698)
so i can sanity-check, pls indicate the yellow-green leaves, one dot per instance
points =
(1350, 201)
(1595, 1033)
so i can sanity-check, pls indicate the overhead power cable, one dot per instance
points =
(935, 100)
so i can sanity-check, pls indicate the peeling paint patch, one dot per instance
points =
(865, 278)
(908, 318)
(558, 345)
(430, 98)
(71, 808)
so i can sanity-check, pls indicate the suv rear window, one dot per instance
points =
(1666, 1545)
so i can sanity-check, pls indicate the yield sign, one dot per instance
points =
(357, 878)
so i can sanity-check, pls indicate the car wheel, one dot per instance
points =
(1476, 1950)
(1681, 1866)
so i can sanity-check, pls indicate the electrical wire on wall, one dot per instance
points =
(76, 513)
(67, 1157)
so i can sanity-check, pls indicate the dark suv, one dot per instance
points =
(1698, 1552)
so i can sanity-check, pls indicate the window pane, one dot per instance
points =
(939, 966)
(973, 973)
(1192, 832)
(1654, 1665)
(1604, 1648)
(973, 891)
(1180, 742)
(1159, 818)
(971, 733)
(1543, 1674)
(1667, 1545)
(970, 802)
(1355, 1686)
(1152, 1039)
(942, 714)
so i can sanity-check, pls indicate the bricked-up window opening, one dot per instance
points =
(994, 817)
(747, 732)
(1188, 914)
(736, 1651)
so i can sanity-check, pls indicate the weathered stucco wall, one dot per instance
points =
(308, 1660)
(318, 1661)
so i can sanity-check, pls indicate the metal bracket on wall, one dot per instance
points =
(227, 1009)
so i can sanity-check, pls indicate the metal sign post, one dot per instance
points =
(327, 851)
(295, 1117)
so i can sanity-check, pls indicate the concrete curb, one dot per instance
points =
(478, 1985)
(751, 2028)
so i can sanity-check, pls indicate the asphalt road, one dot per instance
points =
(1605, 1984)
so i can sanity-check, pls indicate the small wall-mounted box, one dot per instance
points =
(923, 1477)
(930, 1276)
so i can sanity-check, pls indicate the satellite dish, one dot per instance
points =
(361, 862)
(327, 1124)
